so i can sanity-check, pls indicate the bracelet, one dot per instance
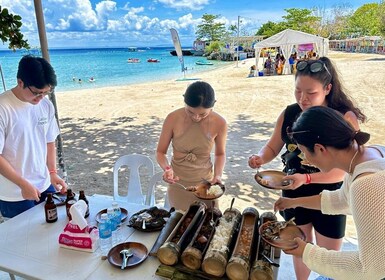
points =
(53, 171)
(308, 179)
(167, 168)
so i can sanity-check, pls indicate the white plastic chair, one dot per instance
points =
(134, 187)
(156, 179)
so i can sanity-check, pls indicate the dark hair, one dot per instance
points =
(37, 72)
(199, 94)
(337, 98)
(325, 126)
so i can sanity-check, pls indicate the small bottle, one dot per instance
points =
(112, 218)
(118, 212)
(118, 220)
(83, 197)
(50, 209)
(105, 234)
(70, 200)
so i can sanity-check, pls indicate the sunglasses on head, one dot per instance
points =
(315, 66)
(291, 133)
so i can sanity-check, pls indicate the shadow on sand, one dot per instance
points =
(91, 147)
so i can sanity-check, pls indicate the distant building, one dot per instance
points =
(366, 44)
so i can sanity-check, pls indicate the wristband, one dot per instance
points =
(308, 179)
(53, 171)
(167, 168)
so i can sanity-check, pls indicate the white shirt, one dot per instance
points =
(364, 199)
(25, 130)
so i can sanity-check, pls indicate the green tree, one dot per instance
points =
(296, 19)
(301, 20)
(365, 20)
(381, 13)
(10, 30)
(210, 29)
(268, 29)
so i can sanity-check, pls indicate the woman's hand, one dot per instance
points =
(216, 180)
(284, 203)
(296, 180)
(298, 252)
(255, 161)
(168, 176)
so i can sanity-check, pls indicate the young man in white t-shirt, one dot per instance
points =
(28, 130)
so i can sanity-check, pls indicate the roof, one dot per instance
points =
(289, 37)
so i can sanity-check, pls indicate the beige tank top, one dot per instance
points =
(191, 159)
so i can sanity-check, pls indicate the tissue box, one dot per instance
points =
(79, 239)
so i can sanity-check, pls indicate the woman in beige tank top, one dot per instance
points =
(192, 131)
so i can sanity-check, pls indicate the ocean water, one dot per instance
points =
(108, 67)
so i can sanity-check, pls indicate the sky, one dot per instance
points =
(147, 23)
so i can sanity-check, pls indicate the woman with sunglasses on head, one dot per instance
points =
(192, 131)
(316, 84)
(328, 141)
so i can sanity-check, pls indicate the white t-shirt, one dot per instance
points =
(363, 198)
(25, 130)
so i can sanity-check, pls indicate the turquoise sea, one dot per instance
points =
(108, 67)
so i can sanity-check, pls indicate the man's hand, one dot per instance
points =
(29, 192)
(58, 183)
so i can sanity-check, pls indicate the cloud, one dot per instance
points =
(185, 4)
(106, 23)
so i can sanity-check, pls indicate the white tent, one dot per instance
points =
(289, 38)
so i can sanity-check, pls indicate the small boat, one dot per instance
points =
(133, 60)
(132, 49)
(203, 62)
(153, 60)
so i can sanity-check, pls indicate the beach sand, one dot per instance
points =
(100, 125)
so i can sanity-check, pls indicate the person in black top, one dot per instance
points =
(316, 84)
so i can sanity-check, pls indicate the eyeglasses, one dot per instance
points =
(38, 94)
(314, 66)
(290, 133)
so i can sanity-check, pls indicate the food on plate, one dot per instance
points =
(205, 190)
(273, 229)
(263, 181)
(152, 218)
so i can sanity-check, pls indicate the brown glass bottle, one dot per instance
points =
(70, 200)
(83, 197)
(50, 209)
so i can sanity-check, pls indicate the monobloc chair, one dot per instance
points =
(133, 162)
(156, 180)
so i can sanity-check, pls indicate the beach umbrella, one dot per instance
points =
(45, 53)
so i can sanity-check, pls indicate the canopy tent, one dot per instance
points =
(289, 38)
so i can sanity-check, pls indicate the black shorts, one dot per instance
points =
(332, 226)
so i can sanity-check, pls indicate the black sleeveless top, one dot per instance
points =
(293, 156)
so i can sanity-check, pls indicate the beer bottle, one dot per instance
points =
(83, 197)
(50, 209)
(70, 200)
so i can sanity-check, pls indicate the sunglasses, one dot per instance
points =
(291, 133)
(38, 94)
(315, 66)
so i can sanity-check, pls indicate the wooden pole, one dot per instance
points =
(52, 97)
